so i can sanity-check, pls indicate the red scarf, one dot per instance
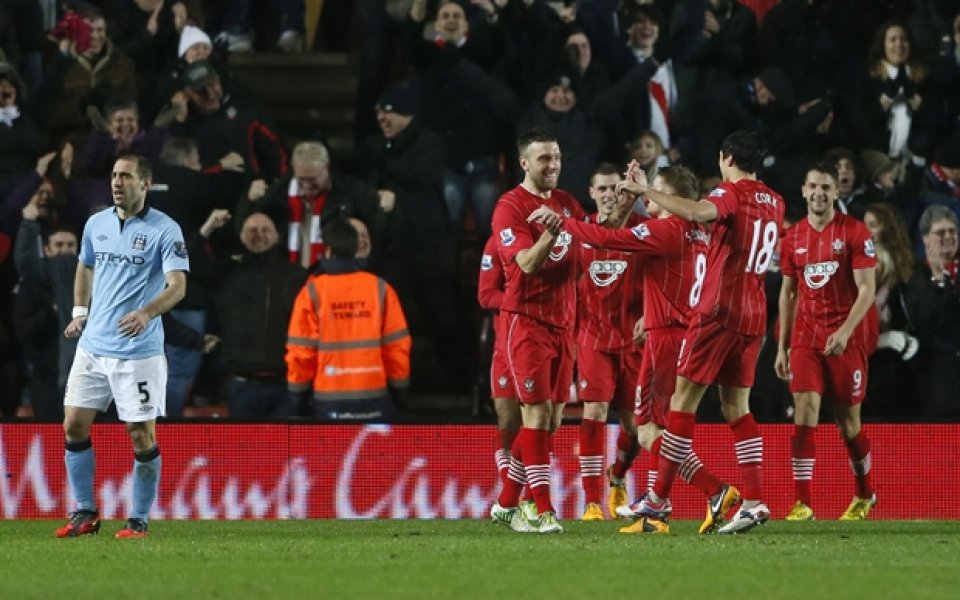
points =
(297, 220)
(937, 171)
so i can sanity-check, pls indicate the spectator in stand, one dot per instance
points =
(933, 299)
(581, 129)
(222, 124)
(348, 341)
(20, 140)
(42, 309)
(880, 176)
(850, 200)
(87, 71)
(122, 134)
(405, 163)
(27, 17)
(148, 31)
(892, 368)
(233, 19)
(945, 76)
(187, 194)
(471, 133)
(253, 294)
(648, 151)
(315, 194)
(936, 184)
(892, 113)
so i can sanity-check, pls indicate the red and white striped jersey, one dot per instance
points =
(610, 298)
(822, 264)
(743, 241)
(548, 295)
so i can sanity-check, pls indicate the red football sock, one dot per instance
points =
(536, 461)
(858, 449)
(516, 476)
(693, 472)
(677, 444)
(591, 458)
(749, 448)
(803, 449)
(627, 449)
(654, 462)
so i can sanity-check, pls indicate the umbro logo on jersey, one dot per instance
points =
(801, 251)
(717, 192)
(101, 238)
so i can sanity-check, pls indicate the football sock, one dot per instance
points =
(858, 449)
(627, 449)
(692, 471)
(803, 447)
(749, 449)
(676, 445)
(79, 459)
(146, 479)
(654, 462)
(536, 461)
(591, 458)
(516, 476)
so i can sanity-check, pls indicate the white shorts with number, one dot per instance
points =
(138, 386)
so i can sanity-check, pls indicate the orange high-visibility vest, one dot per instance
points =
(348, 338)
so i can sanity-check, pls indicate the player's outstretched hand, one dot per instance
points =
(836, 344)
(133, 323)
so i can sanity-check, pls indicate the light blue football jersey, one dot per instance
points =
(129, 259)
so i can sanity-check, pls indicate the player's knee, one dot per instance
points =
(142, 438)
(647, 434)
(75, 430)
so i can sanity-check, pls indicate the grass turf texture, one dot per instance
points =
(476, 559)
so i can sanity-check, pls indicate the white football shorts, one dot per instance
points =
(138, 386)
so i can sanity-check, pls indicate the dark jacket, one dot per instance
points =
(253, 297)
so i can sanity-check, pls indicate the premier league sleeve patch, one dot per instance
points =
(507, 238)
(180, 249)
(486, 262)
(641, 231)
(868, 249)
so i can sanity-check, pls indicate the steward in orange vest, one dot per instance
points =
(348, 338)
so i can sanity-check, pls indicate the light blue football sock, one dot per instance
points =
(146, 480)
(79, 460)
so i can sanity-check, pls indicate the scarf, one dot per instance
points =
(899, 120)
(294, 235)
(8, 114)
(938, 173)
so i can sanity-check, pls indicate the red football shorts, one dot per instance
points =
(540, 360)
(608, 376)
(658, 375)
(501, 383)
(840, 379)
(711, 353)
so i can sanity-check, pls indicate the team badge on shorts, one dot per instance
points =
(502, 382)
(528, 385)
(583, 384)
(140, 242)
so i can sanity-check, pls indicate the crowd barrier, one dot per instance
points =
(294, 471)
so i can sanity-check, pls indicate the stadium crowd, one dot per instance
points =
(445, 88)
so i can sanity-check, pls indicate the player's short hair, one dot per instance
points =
(342, 238)
(747, 149)
(144, 168)
(826, 168)
(934, 213)
(310, 153)
(605, 168)
(682, 180)
(533, 136)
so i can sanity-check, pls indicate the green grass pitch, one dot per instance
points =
(476, 559)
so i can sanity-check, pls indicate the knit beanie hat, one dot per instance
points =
(192, 35)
